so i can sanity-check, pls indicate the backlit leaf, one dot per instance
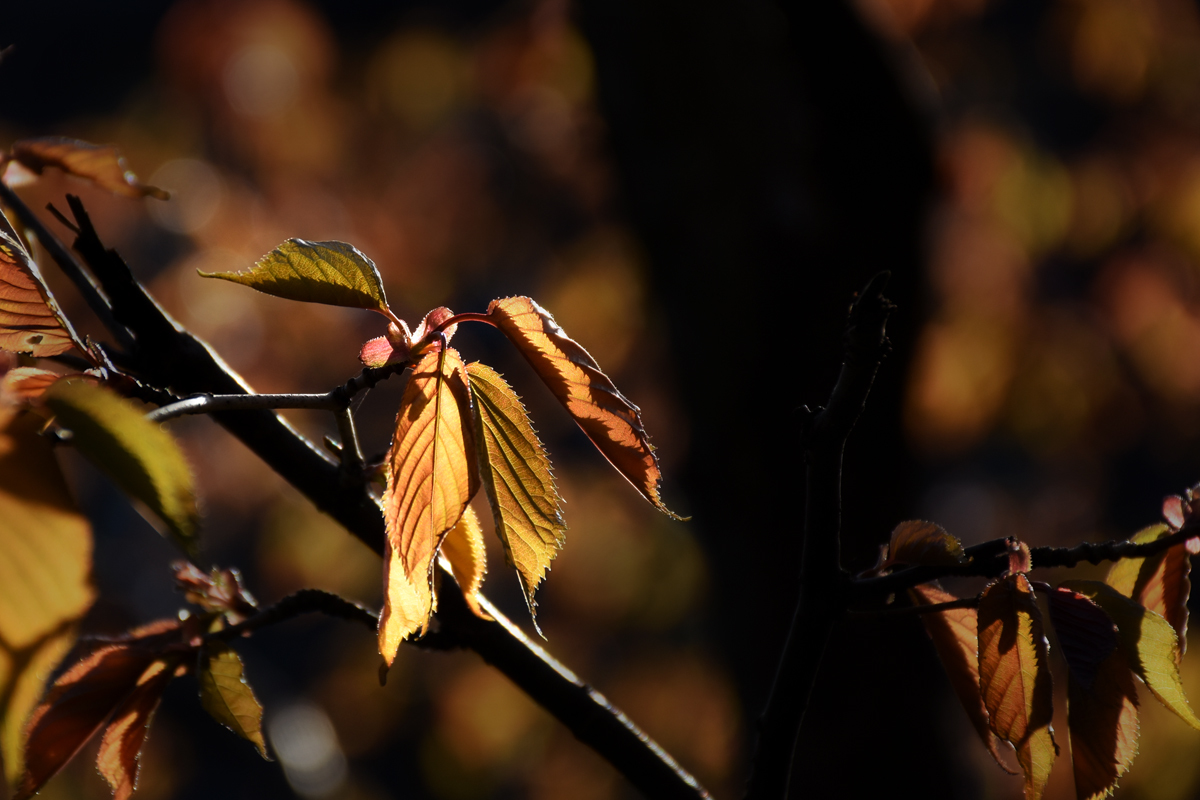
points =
(1103, 723)
(431, 478)
(121, 744)
(1159, 582)
(1149, 642)
(45, 567)
(333, 273)
(1085, 632)
(612, 422)
(28, 384)
(517, 477)
(30, 321)
(139, 455)
(100, 164)
(225, 694)
(956, 638)
(919, 543)
(464, 551)
(1014, 676)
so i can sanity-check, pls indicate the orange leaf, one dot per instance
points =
(1159, 582)
(463, 549)
(923, 543)
(1014, 676)
(100, 164)
(30, 321)
(612, 422)
(123, 738)
(28, 384)
(1102, 696)
(955, 637)
(431, 478)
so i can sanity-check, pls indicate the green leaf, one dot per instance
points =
(518, 479)
(333, 273)
(139, 455)
(225, 695)
(1149, 642)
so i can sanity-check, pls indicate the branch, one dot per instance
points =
(209, 403)
(169, 356)
(823, 583)
(305, 601)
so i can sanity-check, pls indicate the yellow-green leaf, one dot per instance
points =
(1160, 582)
(1149, 642)
(45, 567)
(225, 695)
(518, 479)
(466, 555)
(139, 455)
(333, 273)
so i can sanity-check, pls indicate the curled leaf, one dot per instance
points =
(1014, 677)
(333, 273)
(219, 591)
(920, 543)
(517, 478)
(100, 164)
(612, 422)
(1159, 582)
(225, 694)
(28, 384)
(30, 321)
(466, 556)
(1149, 642)
(139, 455)
(955, 636)
(431, 478)
(121, 744)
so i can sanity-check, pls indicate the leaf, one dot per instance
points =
(1102, 697)
(518, 480)
(219, 591)
(1149, 642)
(45, 567)
(1014, 676)
(467, 558)
(333, 273)
(225, 695)
(612, 422)
(30, 321)
(122, 742)
(28, 384)
(1159, 582)
(431, 478)
(955, 637)
(100, 164)
(919, 543)
(139, 455)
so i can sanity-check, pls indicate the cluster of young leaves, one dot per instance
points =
(460, 426)
(1130, 627)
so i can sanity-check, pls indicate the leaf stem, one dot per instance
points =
(467, 316)
(352, 457)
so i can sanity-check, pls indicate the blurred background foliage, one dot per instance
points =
(694, 190)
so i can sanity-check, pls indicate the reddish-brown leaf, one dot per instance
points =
(1103, 723)
(126, 733)
(30, 321)
(100, 164)
(1014, 676)
(432, 476)
(1159, 582)
(612, 422)
(917, 542)
(1086, 633)
(466, 557)
(220, 590)
(28, 384)
(955, 637)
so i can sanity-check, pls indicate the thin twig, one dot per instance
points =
(210, 403)
(352, 457)
(305, 601)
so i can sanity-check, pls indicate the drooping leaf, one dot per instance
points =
(1159, 582)
(1102, 709)
(612, 422)
(219, 590)
(30, 321)
(431, 478)
(464, 551)
(100, 164)
(920, 543)
(332, 273)
(45, 568)
(1014, 677)
(225, 694)
(28, 384)
(955, 636)
(140, 456)
(121, 744)
(518, 479)
(1149, 642)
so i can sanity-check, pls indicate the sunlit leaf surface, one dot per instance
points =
(100, 164)
(225, 694)
(464, 550)
(917, 542)
(1160, 582)
(517, 477)
(612, 422)
(140, 456)
(30, 321)
(121, 744)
